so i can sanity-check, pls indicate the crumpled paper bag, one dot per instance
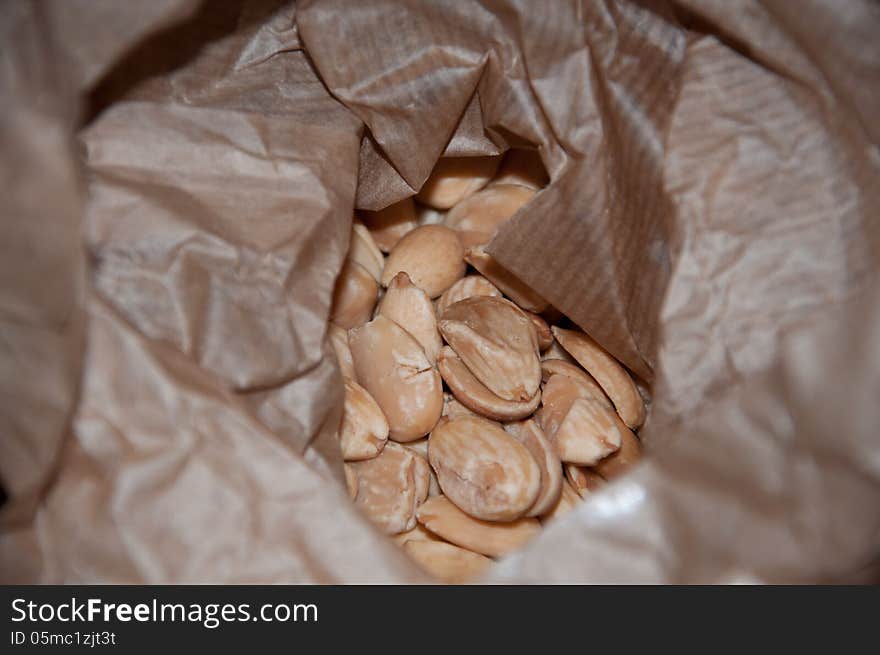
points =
(180, 184)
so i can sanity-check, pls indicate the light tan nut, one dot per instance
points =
(542, 330)
(392, 366)
(420, 447)
(364, 430)
(474, 395)
(582, 430)
(482, 469)
(409, 307)
(351, 481)
(530, 435)
(583, 480)
(623, 460)
(443, 518)
(568, 500)
(522, 167)
(431, 255)
(389, 225)
(467, 287)
(418, 533)
(446, 562)
(589, 387)
(478, 218)
(423, 474)
(455, 178)
(452, 408)
(354, 296)
(364, 250)
(389, 486)
(607, 371)
(496, 341)
(514, 288)
(339, 340)
(555, 351)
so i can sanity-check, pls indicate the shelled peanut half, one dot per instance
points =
(474, 414)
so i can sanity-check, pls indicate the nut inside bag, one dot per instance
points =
(699, 227)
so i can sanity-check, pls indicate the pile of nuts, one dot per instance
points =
(471, 416)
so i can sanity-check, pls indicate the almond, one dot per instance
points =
(443, 518)
(542, 330)
(420, 447)
(474, 395)
(389, 486)
(351, 481)
(588, 386)
(453, 408)
(482, 469)
(517, 290)
(409, 307)
(466, 287)
(455, 178)
(606, 370)
(365, 252)
(354, 296)
(623, 460)
(480, 216)
(496, 341)
(530, 435)
(431, 255)
(364, 429)
(388, 226)
(392, 366)
(583, 480)
(418, 533)
(555, 351)
(582, 429)
(339, 340)
(446, 562)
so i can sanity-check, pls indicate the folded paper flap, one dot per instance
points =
(702, 203)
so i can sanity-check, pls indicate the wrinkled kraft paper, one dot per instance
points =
(179, 179)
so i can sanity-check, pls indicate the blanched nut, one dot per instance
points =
(517, 290)
(466, 287)
(478, 218)
(443, 518)
(523, 167)
(431, 255)
(364, 250)
(364, 429)
(353, 296)
(452, 408)
(610, 375)
(446, 562)
(390, 488)
(389, 225)
(418, 533)
(542, 331)
(581, 429)
(568, 500)
(409, 307)
(351, 481)
(429, 216)
(392, 366)
(623, 460)
(482, 469)
(583, 480)
(455, 178)
(339, 340)
(497, 343)
(555, 351)
(530, 435)
(474, 395)
(420, 447)
(587, 384)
